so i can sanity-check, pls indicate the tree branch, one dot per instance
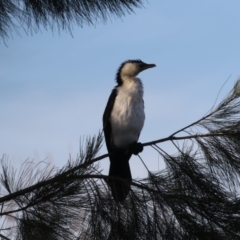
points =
(56, 179)
(62, 176)
(171, 138)
(2, 236)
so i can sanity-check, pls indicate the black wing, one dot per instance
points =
(106, 119)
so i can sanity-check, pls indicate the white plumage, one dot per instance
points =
(127, 117)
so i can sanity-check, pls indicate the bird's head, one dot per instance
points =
(130, 69)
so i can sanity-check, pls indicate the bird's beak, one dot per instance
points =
(146, 66)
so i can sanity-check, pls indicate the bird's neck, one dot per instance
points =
(133, 85)
(131, 81)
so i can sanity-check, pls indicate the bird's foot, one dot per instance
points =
(136, 148)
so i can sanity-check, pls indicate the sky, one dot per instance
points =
(54, 86)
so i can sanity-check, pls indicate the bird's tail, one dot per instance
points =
(119, 167)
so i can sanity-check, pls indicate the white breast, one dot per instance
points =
(128, 116)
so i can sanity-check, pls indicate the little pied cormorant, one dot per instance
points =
(123, 121)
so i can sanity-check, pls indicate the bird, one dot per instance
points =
(123, 120)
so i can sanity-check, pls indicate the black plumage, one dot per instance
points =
(119, 160)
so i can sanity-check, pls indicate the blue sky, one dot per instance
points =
(54, 87)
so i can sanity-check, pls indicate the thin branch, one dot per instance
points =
(171, 138)
(220, 92)
(49, 181)
(192, 124)
(143, 163)
(2, 236)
